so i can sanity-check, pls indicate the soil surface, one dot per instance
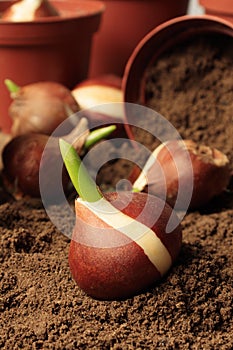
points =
(191, 308)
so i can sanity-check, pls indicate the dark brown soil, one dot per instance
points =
(191, 308)
(192, 86)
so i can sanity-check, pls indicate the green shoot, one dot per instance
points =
(11, 86)
(99, 134)
(82, 181)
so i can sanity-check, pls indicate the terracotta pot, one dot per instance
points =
(124, 24)
(156, 43)
(220, 8)
(52, 48)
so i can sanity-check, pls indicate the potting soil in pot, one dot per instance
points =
(191, 308)
(192, 86)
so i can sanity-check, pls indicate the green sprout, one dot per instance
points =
(98, 134)
(11, 86)
(82, 181)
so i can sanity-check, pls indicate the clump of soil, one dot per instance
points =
(191, 308)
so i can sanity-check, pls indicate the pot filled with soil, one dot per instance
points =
(160, 66)
(55, 47)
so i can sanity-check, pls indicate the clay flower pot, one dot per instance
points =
(223, 8)
(124, 24)
(154, 44)
(52, 48)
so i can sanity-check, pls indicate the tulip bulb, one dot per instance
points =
(102, 100)
(203, 169)
(29, 10)
(39, 107)
(24, 157)
(120, 243)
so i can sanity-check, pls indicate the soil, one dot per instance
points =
(191, 308)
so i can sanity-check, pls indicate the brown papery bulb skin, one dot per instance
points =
(41, 107)
(29, 10)
(211, 172)
(22, 161)
(25, 156)
(106, 263)
(46, 9)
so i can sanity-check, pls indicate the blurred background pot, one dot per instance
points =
(124, 24)
(155, 43)
(52, 48)
(220, 8)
